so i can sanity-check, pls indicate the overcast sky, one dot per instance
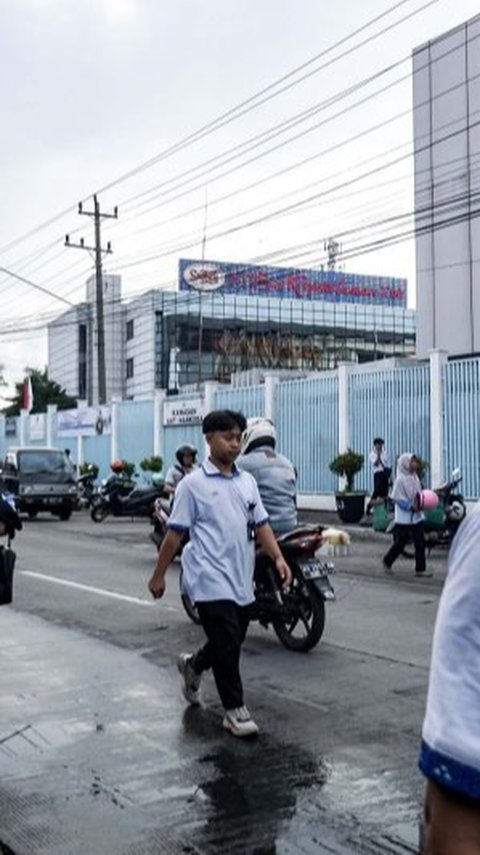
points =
(94, 88)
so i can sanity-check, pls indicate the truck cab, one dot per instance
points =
(40, 479)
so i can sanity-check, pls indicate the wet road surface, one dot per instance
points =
(99, 754)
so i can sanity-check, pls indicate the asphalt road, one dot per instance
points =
(335, 768)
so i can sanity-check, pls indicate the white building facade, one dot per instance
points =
(73, 344)
(446, 92)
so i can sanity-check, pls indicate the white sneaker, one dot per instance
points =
(239, 722)
(191, 680)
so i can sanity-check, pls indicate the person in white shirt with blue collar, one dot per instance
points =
(450, 749)
(221, 508)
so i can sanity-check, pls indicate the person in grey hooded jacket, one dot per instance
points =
(275, 474)
(406, 496)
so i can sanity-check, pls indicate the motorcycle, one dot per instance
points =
(297, 615)
(159, 520)
(87, 489)
(442, 523)
(120, 497)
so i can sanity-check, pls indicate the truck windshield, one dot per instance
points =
(45, 462)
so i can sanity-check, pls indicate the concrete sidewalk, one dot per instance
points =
(98, 754)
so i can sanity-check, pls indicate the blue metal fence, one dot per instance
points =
(180, 435)
(306, 415)
(135, 431)
(250, 400)
(461, 405)
(96, 449)
(393, 404)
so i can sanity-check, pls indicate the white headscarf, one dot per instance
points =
(407, 483)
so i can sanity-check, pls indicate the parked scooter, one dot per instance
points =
(440, 524)
(87, 488)
(121, 497)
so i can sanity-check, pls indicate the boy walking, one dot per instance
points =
(222, 510)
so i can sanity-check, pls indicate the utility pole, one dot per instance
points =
(98, 252)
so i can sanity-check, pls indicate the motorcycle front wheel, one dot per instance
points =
(301, 627)
(99, 512)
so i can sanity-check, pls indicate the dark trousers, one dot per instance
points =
(380, 487)
(225, 624)
(401, 537)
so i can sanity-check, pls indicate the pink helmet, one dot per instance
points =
(429, 500)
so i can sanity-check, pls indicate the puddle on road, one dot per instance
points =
(265, 797)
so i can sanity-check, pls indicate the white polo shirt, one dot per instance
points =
(216, 510)
(450, 753)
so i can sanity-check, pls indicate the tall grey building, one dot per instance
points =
(73, 339)
(446, 91)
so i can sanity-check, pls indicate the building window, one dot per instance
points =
(129, 368)
(129, 330)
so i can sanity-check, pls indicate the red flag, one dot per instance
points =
(27, 394)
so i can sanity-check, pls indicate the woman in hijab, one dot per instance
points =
(406, 495)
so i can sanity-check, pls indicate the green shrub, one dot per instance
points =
(152, 464)
(346, 466)
(88, 468)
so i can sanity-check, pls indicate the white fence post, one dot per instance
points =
(80, 450)
(114, 439)
(343, 408)
(51, 419)
(158, 429)
(24, 427)
(438, 359)
(210, 390)
(271, 382)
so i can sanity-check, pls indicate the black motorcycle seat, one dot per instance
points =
(305, 528)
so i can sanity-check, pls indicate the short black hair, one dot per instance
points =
(223, 420)
(378, 441)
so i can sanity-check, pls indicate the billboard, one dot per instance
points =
(333, 286)
(84, 421)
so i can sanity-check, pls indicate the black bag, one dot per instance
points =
(7, 565)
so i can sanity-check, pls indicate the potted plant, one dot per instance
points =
(350, 502)
(152, 465)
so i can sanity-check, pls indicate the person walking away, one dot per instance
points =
(381, 469)
(275, 474)
(186, 456)
(450, 749)
(406, 495)
(221, 508)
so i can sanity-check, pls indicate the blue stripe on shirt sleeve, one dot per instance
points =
(262, 522)
(449, 773)
(177, 527)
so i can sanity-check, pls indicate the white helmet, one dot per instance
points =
(258, 429)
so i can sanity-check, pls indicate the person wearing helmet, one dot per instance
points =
(275, 474)
(186, 462)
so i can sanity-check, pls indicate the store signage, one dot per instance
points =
(333, 286)
(177, 413)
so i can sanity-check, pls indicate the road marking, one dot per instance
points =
(103, 592)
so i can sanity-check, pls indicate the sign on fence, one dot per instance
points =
(84, 421)
(37, 426)
(11, 426)
(177, 413)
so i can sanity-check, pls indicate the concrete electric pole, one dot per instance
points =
(98, 252)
